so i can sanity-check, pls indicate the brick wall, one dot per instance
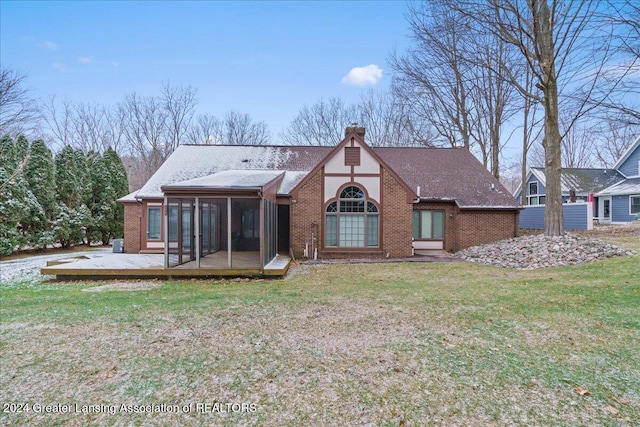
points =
(450, 210)
(307, 209)
(397, 216)
(480, 227)
(132, 224)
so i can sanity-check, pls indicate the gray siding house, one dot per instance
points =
(615, 191)
(624, 196)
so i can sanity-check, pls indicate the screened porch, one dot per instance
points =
(210, 226)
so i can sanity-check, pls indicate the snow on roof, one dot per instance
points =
(435, 170)
(131, 197)
(194, 161)
(291, 179)
(231, 179)
(628, 186)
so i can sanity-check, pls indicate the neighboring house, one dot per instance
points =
(615, 191)
(624, 196)
(349, 200)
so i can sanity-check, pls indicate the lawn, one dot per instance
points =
(364, 344)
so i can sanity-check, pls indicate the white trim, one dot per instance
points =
(229, 245)
(159, 239)
(196, 218)
(630, 197)
(601, 201)
(165, 219)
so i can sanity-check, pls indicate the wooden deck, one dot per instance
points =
(113, 266)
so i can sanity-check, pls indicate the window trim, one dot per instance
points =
(631, 204)
(367, 202)
(159, 209)
(535, 196)
(432, 239)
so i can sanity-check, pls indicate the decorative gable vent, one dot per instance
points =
(352, 156)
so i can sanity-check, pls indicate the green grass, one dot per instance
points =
(365, 344)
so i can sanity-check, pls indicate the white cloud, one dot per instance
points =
(115, 64)
(363, 76)
(58, 66)
(48, 45)
(84, 60)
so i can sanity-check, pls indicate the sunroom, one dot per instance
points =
(225, 221)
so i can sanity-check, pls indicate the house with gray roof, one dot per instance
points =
(615, 192)
(248, 204)
(623, 197)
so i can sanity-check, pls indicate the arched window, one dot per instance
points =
(352, 221)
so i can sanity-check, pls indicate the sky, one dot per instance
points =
(267, 58)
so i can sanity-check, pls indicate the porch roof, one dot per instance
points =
(628, 186)
(228, 180)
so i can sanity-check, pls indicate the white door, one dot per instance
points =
(604, 210)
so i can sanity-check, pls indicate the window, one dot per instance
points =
(153, 223)
(634, 202)
(251, 223)
(352, 221)
(428, 225)
(534, 198)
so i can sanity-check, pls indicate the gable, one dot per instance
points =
(353, 161)
(629, 163)
(534, 175)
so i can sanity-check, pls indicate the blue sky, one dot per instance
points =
(263, 58)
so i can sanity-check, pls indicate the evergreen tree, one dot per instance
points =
(73, 188)
(39, 173)
(17, 202)
(120, 185)
(67, 179)
(99, 194)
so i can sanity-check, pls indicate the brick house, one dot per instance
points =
(247, 204)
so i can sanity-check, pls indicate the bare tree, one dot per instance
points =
(179, 105)
(322, 123)
(613, 137)
(453, 75)
(624, 101)
(59, 119)
(433, 72)
(145, 128)
(531, 131)
(567, 53)
(206, 130)
(578, 146)
(239, 129)
(19, 112)
(389, 120)
(493, 97)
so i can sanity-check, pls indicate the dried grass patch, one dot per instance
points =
(124, 286)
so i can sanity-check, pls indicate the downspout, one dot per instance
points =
(166, 232)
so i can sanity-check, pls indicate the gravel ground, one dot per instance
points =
(533, 252)
(28, 269)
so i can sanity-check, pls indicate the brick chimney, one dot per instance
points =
(354, 128)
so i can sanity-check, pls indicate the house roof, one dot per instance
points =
(437, 171)
(628, 186)
(194, 161)
(582, 180)
(234, 179)
(447, 174)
